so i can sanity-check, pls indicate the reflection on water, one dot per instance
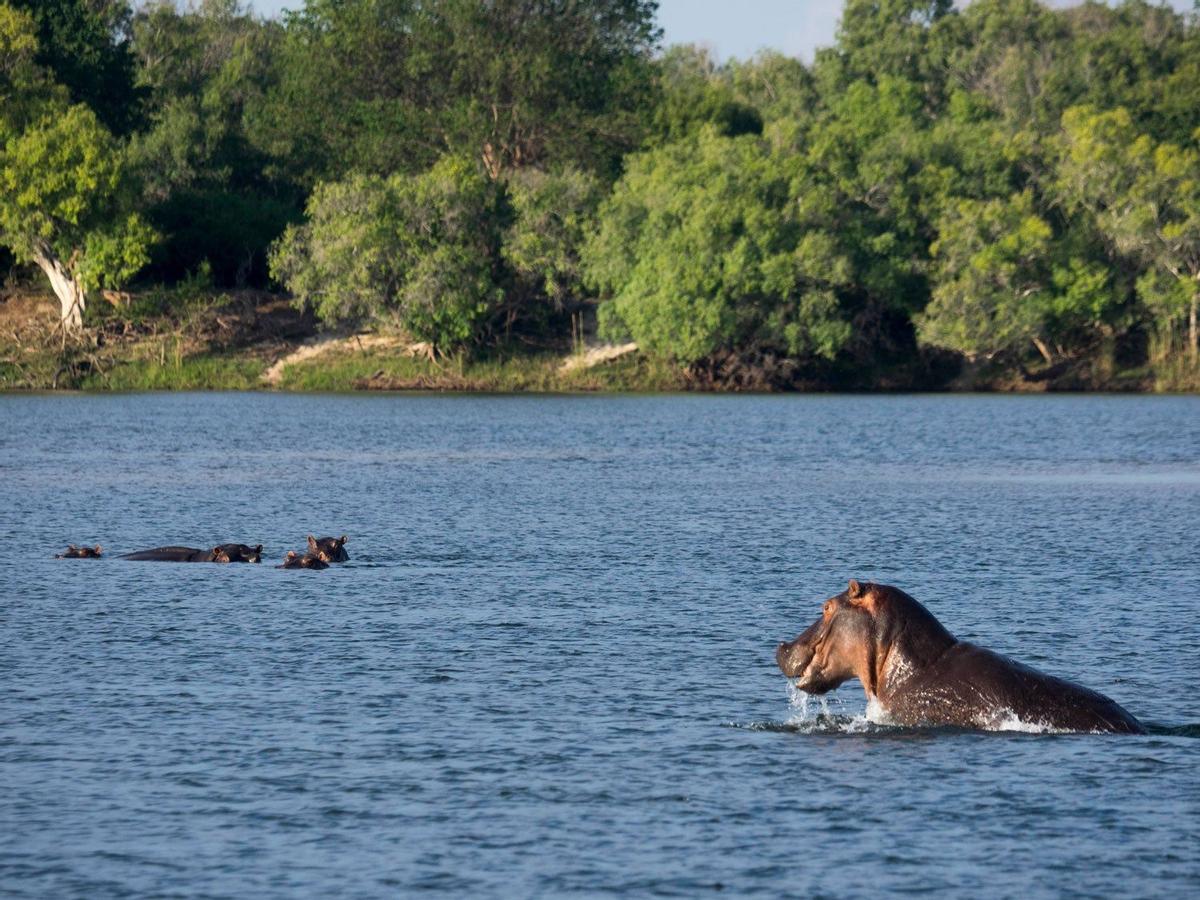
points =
(548, 667)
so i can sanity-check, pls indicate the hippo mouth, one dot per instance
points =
(798, 666)
(810, 684)
(793, 663)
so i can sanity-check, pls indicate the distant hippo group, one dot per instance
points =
(318, 555)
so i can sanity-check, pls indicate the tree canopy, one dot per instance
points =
(1002, 179)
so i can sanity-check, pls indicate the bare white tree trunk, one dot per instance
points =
(70, 293)
(1044, 350)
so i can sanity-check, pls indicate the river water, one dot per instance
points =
(548, 667)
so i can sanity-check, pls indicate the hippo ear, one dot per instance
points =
(99, 550)
(862, 596)
(291, 554)
(258, 549)
(312, 542)
(343, 540)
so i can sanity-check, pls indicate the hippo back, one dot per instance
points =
(975, 687)
(170, 554)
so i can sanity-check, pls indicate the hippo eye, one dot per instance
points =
(828, 609)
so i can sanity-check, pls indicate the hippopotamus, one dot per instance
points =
(74, 552)
(916, 673)
(294, 560)
(222, 553)
(328, 549)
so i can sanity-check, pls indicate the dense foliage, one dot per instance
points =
(1005, 181)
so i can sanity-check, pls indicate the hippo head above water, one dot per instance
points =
(73, 552)
(237, 553)
(294, 560)
(919, 674)
(328, 549)
(855, 629)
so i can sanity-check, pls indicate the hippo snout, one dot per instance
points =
(792, 658)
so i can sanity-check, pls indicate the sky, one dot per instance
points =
(738, 28)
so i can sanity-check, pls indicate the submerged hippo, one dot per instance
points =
(918, 674)
(328, 549)
(294, 560)
(222, 553)
(73, 552)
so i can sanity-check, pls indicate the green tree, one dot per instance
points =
(206, 185)
(893, 38)
(417, 250)
(64, 198)
(701, 247)
(779, 87)
(1146, 199)
(383, 86)
(85, 45)
(992, 281)
(695, 93)
(862, 175)
(552, 214)
(1013, 55)
(1003, 279)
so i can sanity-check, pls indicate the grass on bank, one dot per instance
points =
(190, 373)
(381, 370)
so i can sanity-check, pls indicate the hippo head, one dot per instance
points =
(74, 552)
(835, 648)
(328, 549)
(238, 553)
(857, 631)
(250, 554)
(294, 560)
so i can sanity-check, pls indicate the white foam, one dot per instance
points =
(814, 714)
(1004, 719)
(876, 714)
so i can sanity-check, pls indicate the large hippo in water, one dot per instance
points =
(222, 553)
(918, 674)
(328, 549)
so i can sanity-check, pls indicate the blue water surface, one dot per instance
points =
(548, 667)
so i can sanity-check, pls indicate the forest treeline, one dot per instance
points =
(1000, 182)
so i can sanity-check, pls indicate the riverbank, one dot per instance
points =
(252, 340)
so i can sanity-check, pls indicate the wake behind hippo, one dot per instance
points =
(222, 553)
(919, 674)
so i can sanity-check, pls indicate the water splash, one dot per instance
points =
(814, 715)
